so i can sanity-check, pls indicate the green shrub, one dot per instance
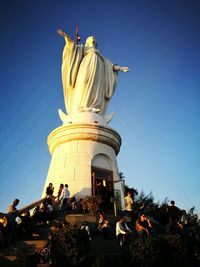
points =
(166, 250)
(182, 250)
(69, 247)
(91, 203)
(146, 251)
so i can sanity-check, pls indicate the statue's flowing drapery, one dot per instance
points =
(89, 80)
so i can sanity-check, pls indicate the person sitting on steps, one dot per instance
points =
(123, 232)
(143, 226)
(103, 225)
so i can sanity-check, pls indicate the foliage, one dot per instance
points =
(121, 175)
(142, 201)
(181, 249)
(91, 203)
(178, 249)
(69, 247)
(163, 251)
(133, 191)
(145, 252)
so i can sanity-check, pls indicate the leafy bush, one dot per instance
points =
(91, 203)
(162, 251)
(182, 250)
(146, 252)
(69, 247)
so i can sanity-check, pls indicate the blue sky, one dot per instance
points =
(156, 103)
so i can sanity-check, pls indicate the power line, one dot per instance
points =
(21, 104)
(22, 137)
(21, 182)
(23, 179)
(19, 123)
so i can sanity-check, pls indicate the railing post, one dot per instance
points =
(115, 208)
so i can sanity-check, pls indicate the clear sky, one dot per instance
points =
(157, 104)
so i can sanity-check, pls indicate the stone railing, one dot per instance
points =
(27, 207)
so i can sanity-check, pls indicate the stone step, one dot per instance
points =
(16, 255)
(99, 246)
(7, 261)
(23, 247)
(108, 260)
(105, 247)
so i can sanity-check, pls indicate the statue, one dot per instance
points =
(89, 79)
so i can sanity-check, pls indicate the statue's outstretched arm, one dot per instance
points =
(118, 68)
(63, 34)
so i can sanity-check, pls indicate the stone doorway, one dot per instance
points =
(105, 178)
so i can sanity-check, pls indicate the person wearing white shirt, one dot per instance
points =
(122, 230)
(129, 208)
(64, 198)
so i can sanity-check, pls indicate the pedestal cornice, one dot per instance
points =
(84, 131)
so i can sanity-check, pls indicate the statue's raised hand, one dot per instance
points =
(124, 69)
(61, 33)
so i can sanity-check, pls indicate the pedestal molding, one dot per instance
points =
(84, 131)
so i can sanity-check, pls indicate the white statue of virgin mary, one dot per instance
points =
(89, 79)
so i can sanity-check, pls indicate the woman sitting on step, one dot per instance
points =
(103, 225)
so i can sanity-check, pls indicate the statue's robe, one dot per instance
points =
(89, 80)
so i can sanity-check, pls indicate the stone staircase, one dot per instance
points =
(107, 252)
(15, 256)
(103, 252)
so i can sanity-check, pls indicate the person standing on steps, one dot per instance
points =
(129, 208)
(101, 192)
(49, 192)
(60, 191)
(173, 213)
(64, 198)
(11, 216)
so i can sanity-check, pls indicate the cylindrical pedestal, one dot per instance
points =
(78, 149)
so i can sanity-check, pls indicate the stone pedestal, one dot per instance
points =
(82, 143)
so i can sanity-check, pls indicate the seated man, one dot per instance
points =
(122, 230)
(43, 213)
(86, 228)
(73, 205)
(143, 226)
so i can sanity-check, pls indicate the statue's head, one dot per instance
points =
(91, 42)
